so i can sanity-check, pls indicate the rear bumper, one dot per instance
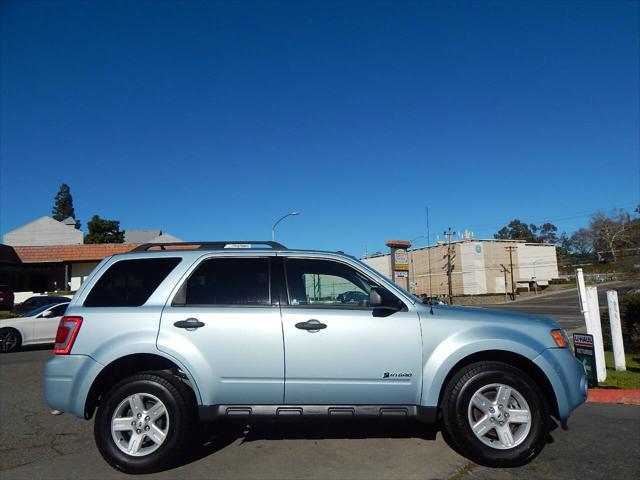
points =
(67, 380)
(567, 377)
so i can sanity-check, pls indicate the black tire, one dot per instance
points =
(455, 413)
(180, 405)
(10, 340)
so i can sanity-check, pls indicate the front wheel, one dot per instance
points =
(495, 414)
(144, 423)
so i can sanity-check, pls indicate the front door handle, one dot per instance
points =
(189, 324)
(311, 325)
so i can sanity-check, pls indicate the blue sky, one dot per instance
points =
(209, 120)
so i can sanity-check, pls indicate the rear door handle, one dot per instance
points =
(311, 325)
(189, 324)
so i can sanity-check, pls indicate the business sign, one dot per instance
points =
(401, 260)
(585, 353)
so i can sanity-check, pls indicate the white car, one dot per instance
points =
(37, 326)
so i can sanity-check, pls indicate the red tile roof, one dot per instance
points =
(72, 253)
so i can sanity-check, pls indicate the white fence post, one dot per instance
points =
(582, 293)
(616, 331)
(595, 328)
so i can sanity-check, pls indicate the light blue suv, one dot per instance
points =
(172, 334)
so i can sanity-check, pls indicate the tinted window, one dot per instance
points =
(59, 310)
(322, 282)
(130, 283)
(35, 311)
(228, 281)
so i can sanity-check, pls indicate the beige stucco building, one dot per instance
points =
(478, 267)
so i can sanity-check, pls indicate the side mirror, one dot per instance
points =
(375, 297)
(381, 298)
(46, 314)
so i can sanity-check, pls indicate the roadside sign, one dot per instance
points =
(401, 258)
(585, 353)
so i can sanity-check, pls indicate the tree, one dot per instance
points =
(611, 232)
(103, 231)
(518, 230)
(548, 233)
(63, 206)
(580, 245)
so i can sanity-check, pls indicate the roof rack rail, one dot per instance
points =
(215, 245)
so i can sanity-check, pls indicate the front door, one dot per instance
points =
(234, 345)
(355, 356)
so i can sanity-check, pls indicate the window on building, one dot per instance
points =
(130, 283)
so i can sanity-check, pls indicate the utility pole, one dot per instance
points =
(513, 290)
(449, 267)
(505, 270)
(429, 251)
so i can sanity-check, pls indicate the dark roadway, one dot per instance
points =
(563, 306)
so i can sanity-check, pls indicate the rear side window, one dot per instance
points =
(59, 310)
(130, 283)
(227, 281)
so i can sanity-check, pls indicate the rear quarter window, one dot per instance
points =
(130, 283)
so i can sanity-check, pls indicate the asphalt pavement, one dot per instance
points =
(564, 306)
(602, 440)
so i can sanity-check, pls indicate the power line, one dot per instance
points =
(567, 216)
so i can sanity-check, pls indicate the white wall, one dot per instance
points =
(536, 260)
(80, 272)
(20, 297)
(474, 279)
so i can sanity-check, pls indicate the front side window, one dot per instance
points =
(130, 283)
(227, 281)
(326, 283)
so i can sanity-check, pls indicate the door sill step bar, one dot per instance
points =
(210, 413)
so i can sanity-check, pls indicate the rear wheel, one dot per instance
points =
(495, 414)
(144, 423)
(10, 340)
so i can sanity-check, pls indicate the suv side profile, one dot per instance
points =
(159, 340)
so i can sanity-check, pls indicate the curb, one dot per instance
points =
(606, 395)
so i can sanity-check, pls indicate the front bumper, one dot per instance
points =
(567, 377)
(67, 381)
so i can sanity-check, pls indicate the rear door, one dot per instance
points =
(234, 345)
(358, 355)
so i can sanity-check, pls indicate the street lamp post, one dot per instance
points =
(273, 227)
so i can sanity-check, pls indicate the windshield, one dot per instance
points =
(408, 294)
(36, 311)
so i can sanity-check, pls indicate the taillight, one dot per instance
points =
(68, 329)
